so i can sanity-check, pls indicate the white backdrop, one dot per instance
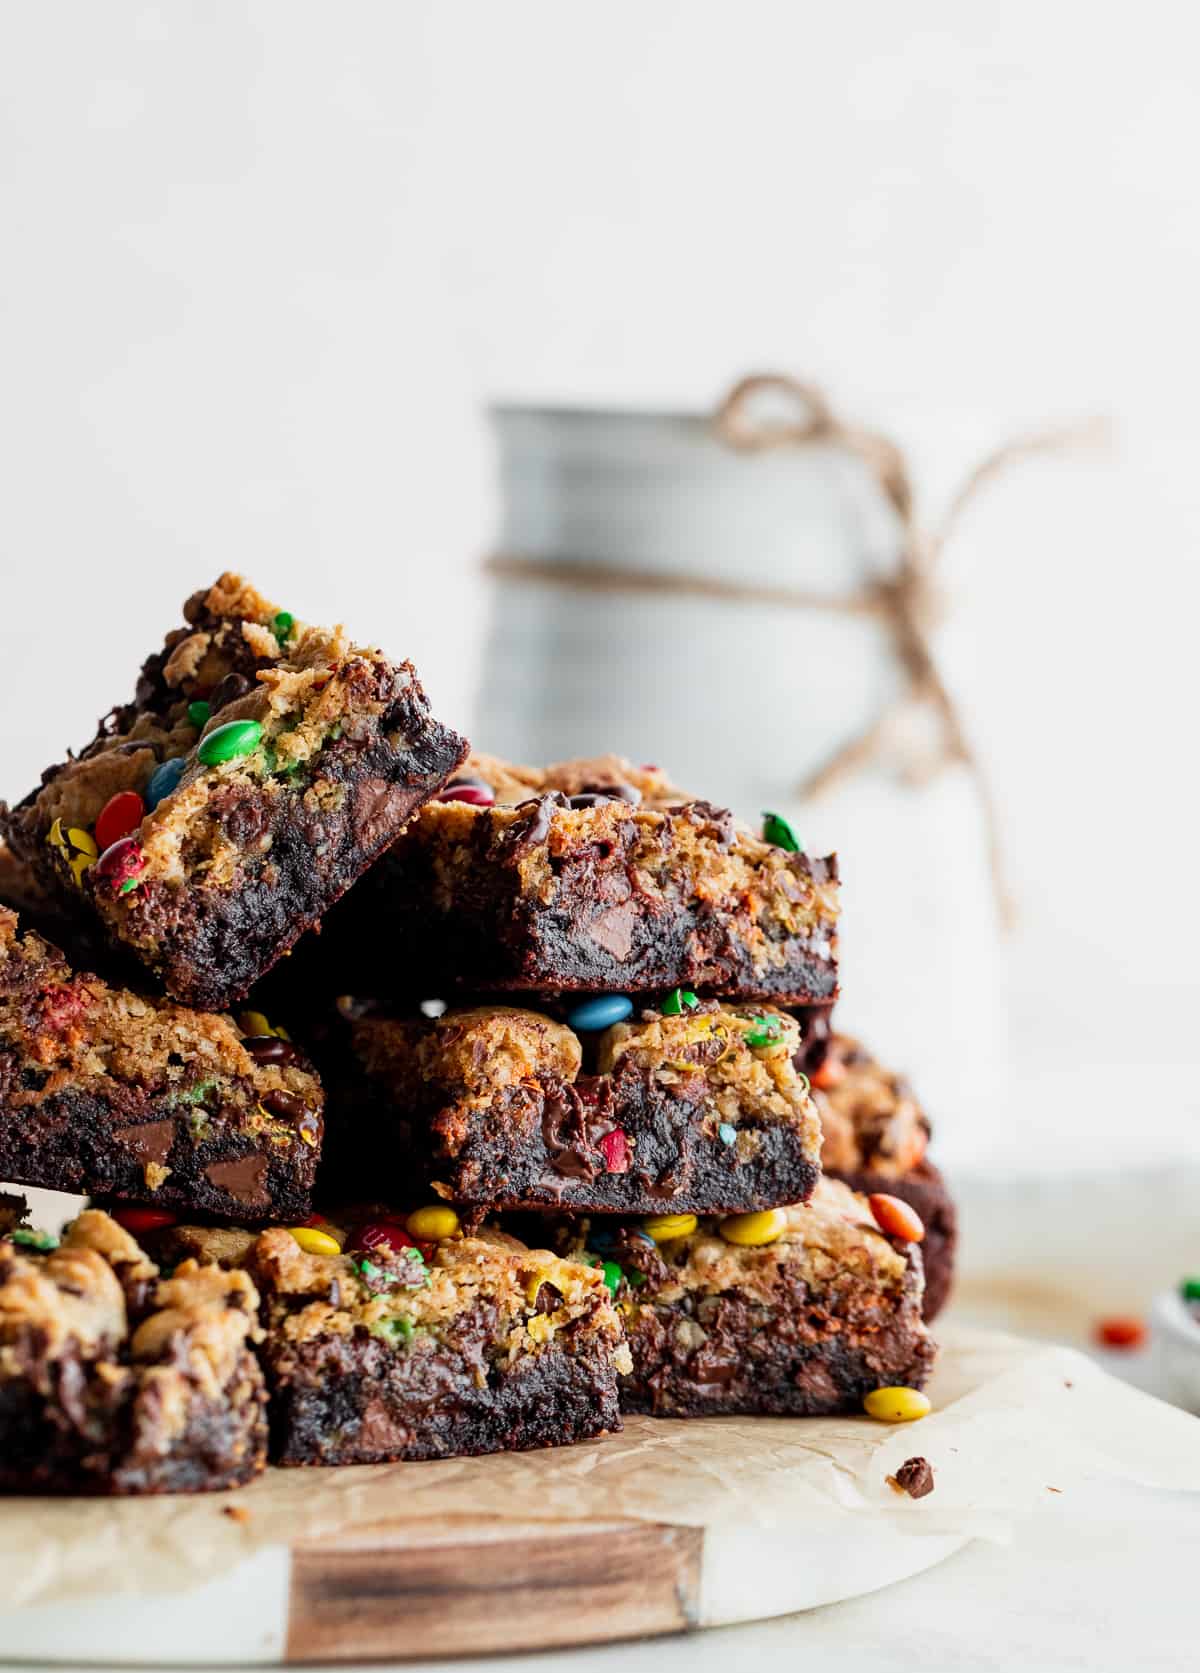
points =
(259, 266)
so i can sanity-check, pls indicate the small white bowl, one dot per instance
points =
(1177, 1334)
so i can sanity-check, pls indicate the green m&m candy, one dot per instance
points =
(199, 713)
(229, 742)
(677, 1001)
(612, 1276)
(778, 832)
(282, 626)
(764, 1031)
(43, 1242)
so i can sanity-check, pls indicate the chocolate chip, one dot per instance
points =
(593, 798)
(232, 687)
(617, 791)
(914, 1477)
(243, 820)
(284, 1105)
(532, 827)
(548, 1299)
(265, 1048)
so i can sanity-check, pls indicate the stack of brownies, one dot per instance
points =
(429, 1105)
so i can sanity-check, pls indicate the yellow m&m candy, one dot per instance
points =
(315, 1242)
(751, 1231)
(434, 1223)
(897, 1405)
(663, 1228)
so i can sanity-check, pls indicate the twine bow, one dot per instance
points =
(907, 602)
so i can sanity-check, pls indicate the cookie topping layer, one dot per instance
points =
(389, 1294)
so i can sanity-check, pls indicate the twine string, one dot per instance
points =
(907, 602)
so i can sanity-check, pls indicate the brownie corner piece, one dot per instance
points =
(115, 1380)
(261, 766)
(106, 1092)
(875, 1136)
(501, 1107)
(484, 1346)
(597, 875)
(800, 1311)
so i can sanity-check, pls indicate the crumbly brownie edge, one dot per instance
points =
(746, 1369)
(487, 1106)
(584, 926)
(214, 944)
(77, 1142)
(926, 1190)
(676, 1166)
(39, 1453)
(223, 1442)
(116, 1381)
(506, 946)
(354, 1401)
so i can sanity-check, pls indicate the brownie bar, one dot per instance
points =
(438, 1348)
(105, 1092)
(259, 770)
(874, 1138)
(702, 1110)
(801, 1326)
(114, 1380)
(595, 875)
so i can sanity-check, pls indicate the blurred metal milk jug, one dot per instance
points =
(740, 698)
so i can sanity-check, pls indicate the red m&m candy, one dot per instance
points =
(476, 792)
(383, 1236)
(1121, 1332)
(614, 1147)
(120, 817)
(143, 1219)
(121, 863)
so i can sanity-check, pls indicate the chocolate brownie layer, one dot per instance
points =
(596, 875)
(803, 1325)
(476, 1345)
(107, 1093)
(874, 1137)
(114, 1380)
(259, 770)
(702, 1110)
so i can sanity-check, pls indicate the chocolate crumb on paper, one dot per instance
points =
(914, 1477)
(236, 1513)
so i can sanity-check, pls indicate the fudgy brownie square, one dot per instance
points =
(106, 1092)
(700, 1109)
(260, 768)
(115, 1380)
(874, 1136)
(434, 1345)
(793, 1312)
(598, 876)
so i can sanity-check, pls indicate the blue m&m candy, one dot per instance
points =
(598, 1013)
(162, 781)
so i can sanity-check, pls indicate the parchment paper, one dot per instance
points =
(1012, 1421)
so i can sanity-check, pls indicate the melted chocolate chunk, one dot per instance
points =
(268, 1048)
(233, 686)
(285, 1105)
(532, 830)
